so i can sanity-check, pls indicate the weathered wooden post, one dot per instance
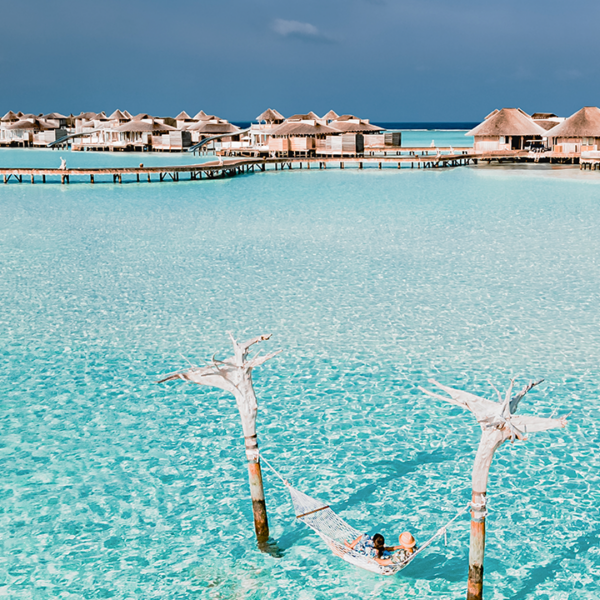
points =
(498, 423)
(234, 375)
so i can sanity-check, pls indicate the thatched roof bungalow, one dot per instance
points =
(119, 117)
(10, 117)
(211, 126)
(31, 131)
(298, 137)
(56, 119)
(330, 116)
(270, 117)
(506, 129)
(579, 133)
(157, 135)
(183, 120)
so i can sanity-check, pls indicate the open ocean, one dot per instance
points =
(371, 282)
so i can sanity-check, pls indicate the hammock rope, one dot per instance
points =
(334, 531)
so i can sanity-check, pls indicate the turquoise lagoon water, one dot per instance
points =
(371, 282)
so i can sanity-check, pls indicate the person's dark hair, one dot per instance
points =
(379, 544)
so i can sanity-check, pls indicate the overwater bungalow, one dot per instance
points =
(184, 120)
(211, 125)
(119, 117)
(259, 132)
(9, 118)
(30, 131)
(374, 137)
(270, 117)
(56, 119)
(141, 135)
(301, 137)
(506, 129)
(579, 133)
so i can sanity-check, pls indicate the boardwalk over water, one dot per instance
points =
(230, 167)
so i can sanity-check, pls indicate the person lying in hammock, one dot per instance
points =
(375, 548)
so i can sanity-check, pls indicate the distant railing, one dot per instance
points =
(216, 137)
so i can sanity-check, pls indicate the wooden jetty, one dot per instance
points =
(237, 166)
(227, 168)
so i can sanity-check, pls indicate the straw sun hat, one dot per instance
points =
(407, 540)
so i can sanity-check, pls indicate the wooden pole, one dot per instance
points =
(498, 423)
(235, 376)
(490, 441)
(257, 493)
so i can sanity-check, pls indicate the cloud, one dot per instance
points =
(298, 29)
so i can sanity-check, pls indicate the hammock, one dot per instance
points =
(334, 531)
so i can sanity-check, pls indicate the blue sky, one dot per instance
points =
(420, 60)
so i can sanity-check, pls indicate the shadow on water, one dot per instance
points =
(395, 469)
(270, 547)
(437, 566)
(547, 572)
(390, 470)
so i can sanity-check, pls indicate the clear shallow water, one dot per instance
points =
(371, 282)
(423, 139)
(47, 158)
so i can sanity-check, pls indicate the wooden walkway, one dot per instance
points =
(232, 167)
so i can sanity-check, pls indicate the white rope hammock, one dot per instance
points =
(334, 531)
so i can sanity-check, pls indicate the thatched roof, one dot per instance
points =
(86, 115)
(54, 115)
(297, 128)
(546, 124)
(584, 123)
(214, 128)
(101, 116)
(543, 116)
(351, 127)
(205, 117)
(311, 116)
(331, 116)
(508, 121)
(141, 116)
(31, 124)
(183, 116)
(200, 116)
(10, 116)
(127, 114)
(270, 115)
(144, 126)
(348, 118)
(118, 116)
